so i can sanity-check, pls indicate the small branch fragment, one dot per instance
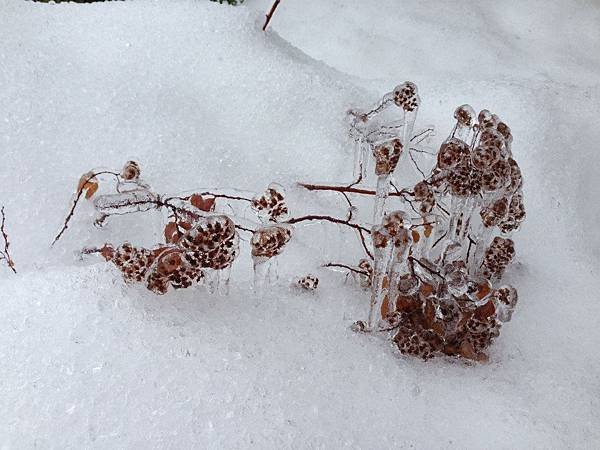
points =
(5, 254)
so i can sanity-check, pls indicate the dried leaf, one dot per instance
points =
(203, 203)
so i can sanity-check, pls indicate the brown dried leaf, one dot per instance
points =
(203, 203)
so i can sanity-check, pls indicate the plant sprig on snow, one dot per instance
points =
(5, 251)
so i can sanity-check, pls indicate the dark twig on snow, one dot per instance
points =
(269, 15)
(80, 192)
(344, 266)
(5, 254)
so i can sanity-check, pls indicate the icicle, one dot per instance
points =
(386, 156)
(382, 249)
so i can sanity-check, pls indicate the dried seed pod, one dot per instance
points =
(493, 214)
(486, 119)
(387, 156)
(491, 138)
(516, 214)
(464, 181)
(465, 115)
(271, 205)
(269, 241)
(452, 153)
(309, 282)
(496, 177)
(133, 262)
(130, 171)
(211, 243)
(505, 299)
(408, 284)
(516, 177)
(170, 269)
(497, 257)
(421, 343)
(364, 279)
(484, 156)
(406, 96)
(394, 221)
(505, 131)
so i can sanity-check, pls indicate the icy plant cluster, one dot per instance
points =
(433, 262)
(438, 263)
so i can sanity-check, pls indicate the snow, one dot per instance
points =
(201, 98)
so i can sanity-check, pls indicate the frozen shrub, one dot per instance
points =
(433, 262)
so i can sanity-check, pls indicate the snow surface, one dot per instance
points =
(201, 98)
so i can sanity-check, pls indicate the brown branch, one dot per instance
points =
(351, 190)
(269, 15)
(5, 255)
(356, 226)
(76, 201)
(364, 244)
(426, 267)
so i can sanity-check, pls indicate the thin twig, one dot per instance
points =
(344, 266)
(327, 219)
(269, 15)
(76, 201)
(5, 254)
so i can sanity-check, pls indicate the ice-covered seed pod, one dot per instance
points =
(486, 119)
(131, 171)
(457, 279)
(418, 342)
(505, 131)
(479, 288)
(497, 257)
(309, 282)
(269, 241)
(365, 275)
(516, 214)
(482, 327)
(464, 181)
(484, 156)
(406, 96)
(505, 299)
(489, 137)
(133, 262)
(407, 284)
(452, 153)
(395, 221)
(170, 269)
(422, 191)
(271, 206)
(516, 177)
(387, 156)
(493, 214)
(212, 242)
(496, 177)
(465, 115)
(465, 119)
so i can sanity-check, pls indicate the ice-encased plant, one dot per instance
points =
(435, 253)
(437, 275)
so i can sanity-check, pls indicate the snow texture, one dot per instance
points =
(200, 97)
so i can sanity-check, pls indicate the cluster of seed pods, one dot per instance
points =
(435, 278)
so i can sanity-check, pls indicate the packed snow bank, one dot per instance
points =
(201, 98)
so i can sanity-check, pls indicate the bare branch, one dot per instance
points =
(5, 254)
(269, 15)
